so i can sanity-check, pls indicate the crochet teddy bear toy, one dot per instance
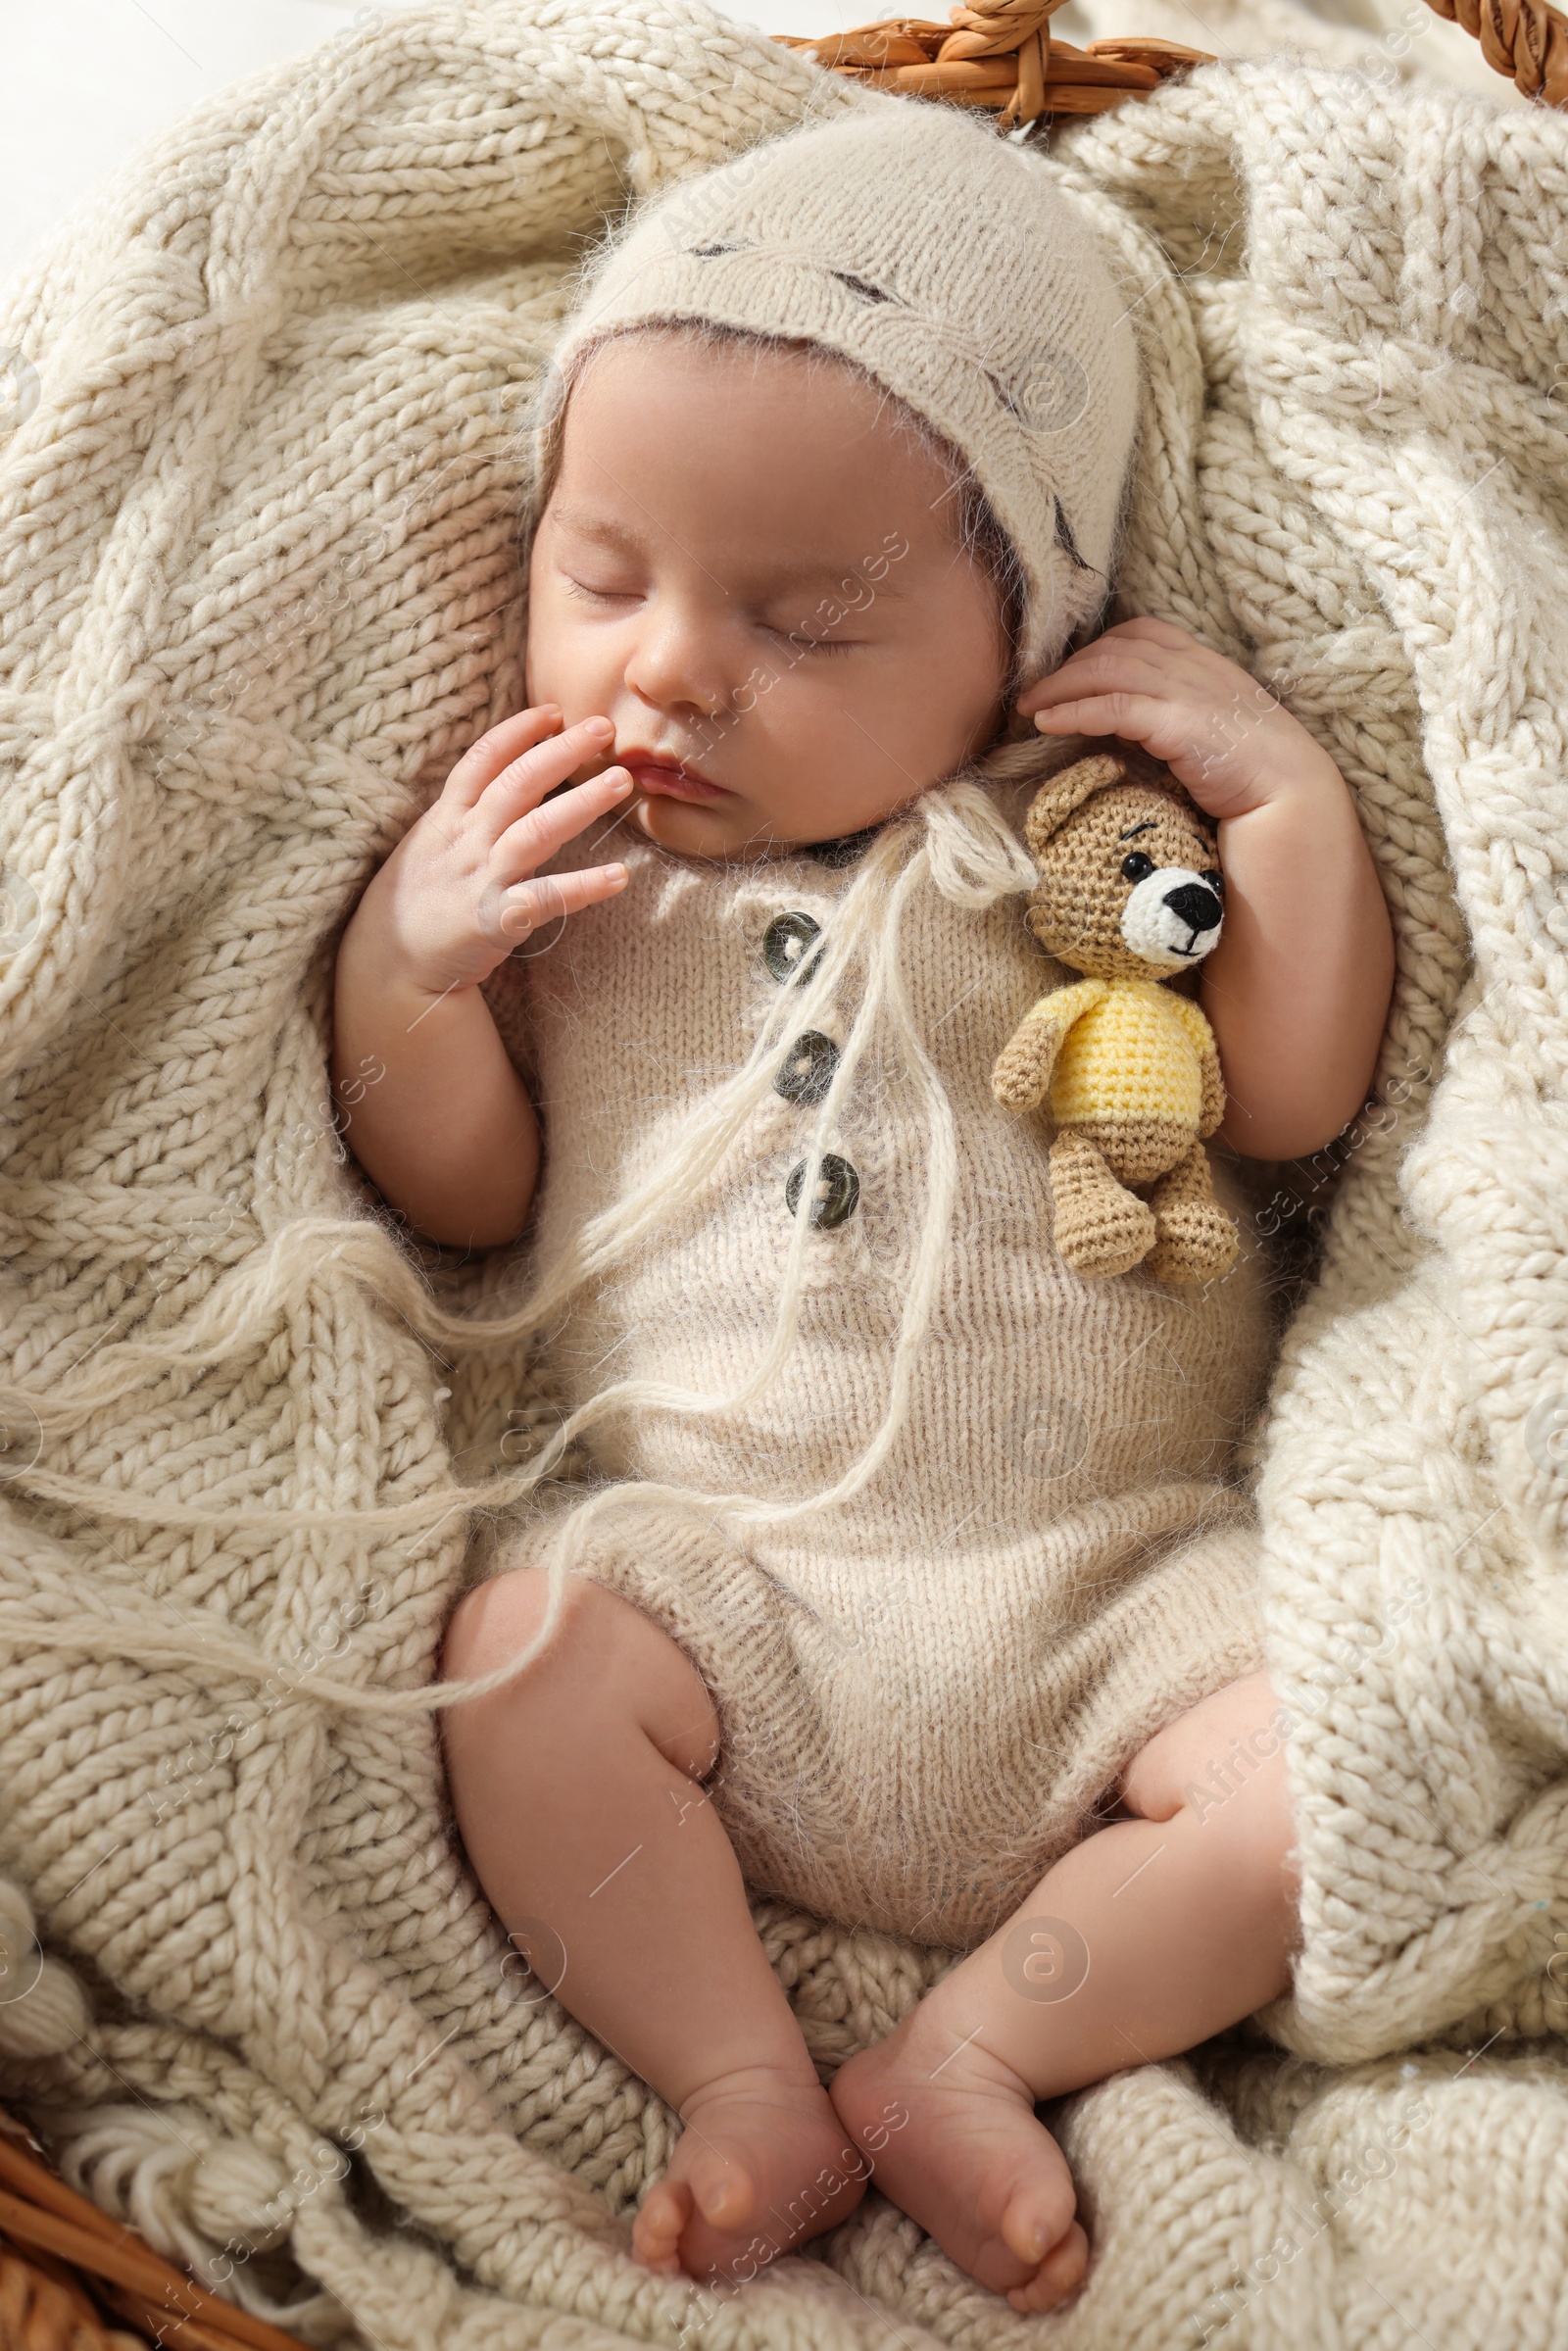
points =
(1129, 892)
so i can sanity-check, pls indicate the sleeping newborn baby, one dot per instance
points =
(912, 1578)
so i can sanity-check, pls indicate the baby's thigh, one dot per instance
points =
(1228, 1747)
(605, 1663)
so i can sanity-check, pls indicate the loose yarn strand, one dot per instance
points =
(246, 1314)
(972, 860)
(962, 848)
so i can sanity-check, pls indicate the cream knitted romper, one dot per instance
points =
(922, 1691)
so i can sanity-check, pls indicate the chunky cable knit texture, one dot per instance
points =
(259, 587)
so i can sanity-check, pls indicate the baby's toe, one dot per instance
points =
(656, 2233)
(1059, 2274)
(1038, 2215)
(725, 2191)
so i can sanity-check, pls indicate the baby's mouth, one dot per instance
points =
(669, 779)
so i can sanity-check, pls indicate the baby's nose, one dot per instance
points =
(672, 665)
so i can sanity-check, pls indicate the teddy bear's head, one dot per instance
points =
(1128, 882)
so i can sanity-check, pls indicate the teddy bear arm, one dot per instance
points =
(1022, 1075)
(1023, 1072)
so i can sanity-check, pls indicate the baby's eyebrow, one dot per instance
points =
(837, 571)
(596, 526)
(822, 570)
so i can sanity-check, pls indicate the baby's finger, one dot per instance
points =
(535, 837)
(1159, 632)
(509, 914)
(483, 760)
(1145, 630)
(1137, 718)
(522, 785)
(1125, 669)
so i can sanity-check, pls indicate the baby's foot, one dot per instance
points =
(763, 2165)
(951, 2135)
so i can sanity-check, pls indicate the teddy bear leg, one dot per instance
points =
(1100, 1228)
(1196, 1238)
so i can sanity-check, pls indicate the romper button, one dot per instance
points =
(838, 1190)
(785, 942)
(808, 1067)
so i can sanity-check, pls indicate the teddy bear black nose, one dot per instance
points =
(1195, 904)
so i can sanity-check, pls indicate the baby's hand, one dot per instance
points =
(1221, 733)
(458, 894)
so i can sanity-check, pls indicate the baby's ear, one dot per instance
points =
(1056, 800)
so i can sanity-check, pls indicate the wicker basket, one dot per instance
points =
(1002, 56)
(71, 2277)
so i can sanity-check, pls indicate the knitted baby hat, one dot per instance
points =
(946, 260)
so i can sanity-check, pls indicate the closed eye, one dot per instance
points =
(580, 587)
(804, 645)
(799, 645)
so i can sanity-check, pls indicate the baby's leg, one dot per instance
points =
(1141, 1941)
(575, 1788)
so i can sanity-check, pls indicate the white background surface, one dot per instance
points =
(84, 82)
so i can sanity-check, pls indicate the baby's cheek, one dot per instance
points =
(555, 663)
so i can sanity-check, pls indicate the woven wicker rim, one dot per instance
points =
(62, 2261)
(1002, 56)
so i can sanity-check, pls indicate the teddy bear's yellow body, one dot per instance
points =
(1132, 1050)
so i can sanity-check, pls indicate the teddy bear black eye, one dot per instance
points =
(1137, 867)
(1214, 878)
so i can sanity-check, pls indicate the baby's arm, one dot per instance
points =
(1298, 990)
(447, 1132)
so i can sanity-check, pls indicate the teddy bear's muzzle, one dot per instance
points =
(1172, 919)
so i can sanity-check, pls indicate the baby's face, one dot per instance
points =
(759, 583)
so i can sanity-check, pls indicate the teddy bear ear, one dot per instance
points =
(1057, 800)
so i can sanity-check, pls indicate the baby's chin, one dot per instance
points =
(731, 828)
(737, 829)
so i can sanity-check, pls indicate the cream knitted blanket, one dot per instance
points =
(258, 588)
